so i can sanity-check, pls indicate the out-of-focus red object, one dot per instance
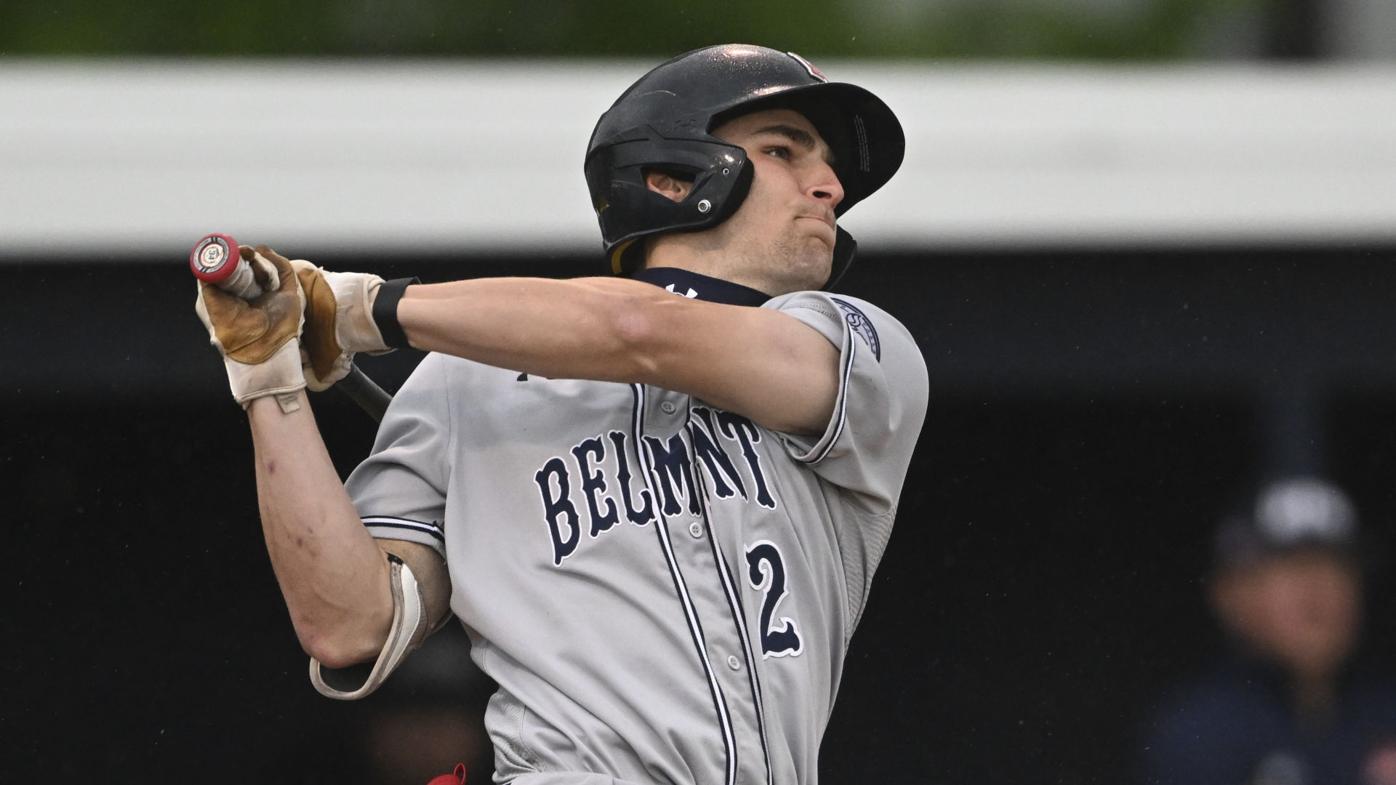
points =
(456, 777)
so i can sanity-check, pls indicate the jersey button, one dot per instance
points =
(667, 407)
(696, 529)
(734, 663)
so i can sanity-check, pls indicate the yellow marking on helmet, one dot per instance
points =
(619, 251)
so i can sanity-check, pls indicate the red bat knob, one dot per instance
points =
(215, 260)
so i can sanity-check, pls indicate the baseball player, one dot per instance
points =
(654, 500)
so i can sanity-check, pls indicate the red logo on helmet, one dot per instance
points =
(813, 71)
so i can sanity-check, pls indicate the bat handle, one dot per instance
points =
(363, 391)
(215, 260)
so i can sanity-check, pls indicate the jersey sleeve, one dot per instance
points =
(881, 403)
(400, 489)
(867, 444)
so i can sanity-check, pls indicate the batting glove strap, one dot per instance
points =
(410, 628)
(385, 310)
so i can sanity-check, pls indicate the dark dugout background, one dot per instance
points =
(1091, 414)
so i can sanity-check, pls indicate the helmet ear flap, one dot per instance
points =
(629, 211)
(723, 188)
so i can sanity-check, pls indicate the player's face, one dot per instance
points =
(1301, 609)
(785, 226)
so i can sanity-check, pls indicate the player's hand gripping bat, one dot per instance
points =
(215, 260)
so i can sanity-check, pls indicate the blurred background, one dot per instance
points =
(1146, 247)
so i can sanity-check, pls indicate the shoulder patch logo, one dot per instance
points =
(862, 325)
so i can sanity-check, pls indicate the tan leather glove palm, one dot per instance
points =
(259, 339)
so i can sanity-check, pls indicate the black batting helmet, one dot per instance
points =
(665, 120)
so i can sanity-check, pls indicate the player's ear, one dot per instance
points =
(667, 185)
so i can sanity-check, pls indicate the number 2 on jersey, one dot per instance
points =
(766, 572)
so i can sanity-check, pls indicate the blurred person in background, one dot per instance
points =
(1289, 704)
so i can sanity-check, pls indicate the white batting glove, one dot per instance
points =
(338, 321)
(259, 338)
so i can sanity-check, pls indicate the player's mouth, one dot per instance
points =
(828, 221)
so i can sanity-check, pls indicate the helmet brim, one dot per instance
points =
(864, 134)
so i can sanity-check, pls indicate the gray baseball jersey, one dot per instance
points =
(663, 590)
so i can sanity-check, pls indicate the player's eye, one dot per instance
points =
(778, 151)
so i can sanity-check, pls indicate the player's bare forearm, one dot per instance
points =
(753, 361)
(331, 572)
(559, 329)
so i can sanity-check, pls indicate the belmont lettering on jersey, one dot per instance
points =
(596, 484)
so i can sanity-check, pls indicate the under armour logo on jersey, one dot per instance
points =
(690, 294)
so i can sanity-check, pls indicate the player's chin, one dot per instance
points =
(814, 264)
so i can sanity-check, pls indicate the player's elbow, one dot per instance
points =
(339, 650)
(348, 641)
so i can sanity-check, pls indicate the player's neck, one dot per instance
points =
(695, 253)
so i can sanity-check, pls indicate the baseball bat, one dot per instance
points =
(215, 260)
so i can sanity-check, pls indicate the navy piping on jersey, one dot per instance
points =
(752, 676)
(850, 347)
(700, 287)
(695, 627)
(386, 522)
(734, 603)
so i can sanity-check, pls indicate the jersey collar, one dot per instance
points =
(700, 287)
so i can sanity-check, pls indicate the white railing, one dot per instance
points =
(125, 157)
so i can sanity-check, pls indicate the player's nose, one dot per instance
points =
(824, 186)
